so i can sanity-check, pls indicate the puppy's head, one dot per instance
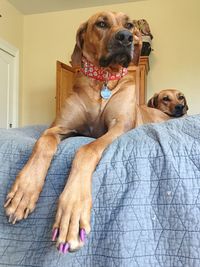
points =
(108, 39)
(171, 102)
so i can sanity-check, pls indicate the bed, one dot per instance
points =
(146, 200)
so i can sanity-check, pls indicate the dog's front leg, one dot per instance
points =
(25, 191)
(73, 215)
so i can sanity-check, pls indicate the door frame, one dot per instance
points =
(13, 51)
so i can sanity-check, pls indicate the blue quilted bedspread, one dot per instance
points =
(146, 200)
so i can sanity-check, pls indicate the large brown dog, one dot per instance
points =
(102, 105)
(170, 101)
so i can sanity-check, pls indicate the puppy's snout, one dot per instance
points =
(124, 37)
(179, 107)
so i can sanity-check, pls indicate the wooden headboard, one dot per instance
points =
(65, 77)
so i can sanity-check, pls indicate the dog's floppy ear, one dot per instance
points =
(137, 37)
(77, 53)
(185, 102)
(153, 102)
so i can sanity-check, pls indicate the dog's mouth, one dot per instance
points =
(178, 111)
(120, 58)
(176, 114)
(117, 55)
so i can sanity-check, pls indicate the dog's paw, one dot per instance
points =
(22, 198)
(72, 223)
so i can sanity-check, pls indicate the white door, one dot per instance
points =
(6, 89)
(9, 57)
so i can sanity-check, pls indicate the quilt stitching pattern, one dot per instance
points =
(146, 200)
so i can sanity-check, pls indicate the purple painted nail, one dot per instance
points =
(66, 248)
(60, 248)
(82, 235)
(54, 234)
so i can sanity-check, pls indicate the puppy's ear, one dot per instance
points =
(153, 102)
(185, 103)
(137, 38)
(77, 53)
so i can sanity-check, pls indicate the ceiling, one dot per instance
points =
(28, 7)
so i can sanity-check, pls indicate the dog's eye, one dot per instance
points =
(181, 97)
(166, 98)
(129, 26)
(101, 24)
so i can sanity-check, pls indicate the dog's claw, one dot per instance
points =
(14, 220)
(60, 247)
(63, 248)
(11, 218)
(26, 213)
(66, 248)
(82, 235)
(8, 200)
(55, 234)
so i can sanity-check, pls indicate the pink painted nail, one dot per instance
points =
(82, 235)
(54, 234)
(66, 248)
(60, 248)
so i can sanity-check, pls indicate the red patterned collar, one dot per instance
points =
(99, 73)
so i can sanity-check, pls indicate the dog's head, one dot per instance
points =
(170, 101)
(108, 39)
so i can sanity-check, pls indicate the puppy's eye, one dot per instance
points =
(181, 97)
(102, 24)
(129, 26)
(166, 98)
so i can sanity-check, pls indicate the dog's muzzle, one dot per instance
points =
(178, 110)
(120, 50)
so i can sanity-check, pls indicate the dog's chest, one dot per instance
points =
(94, 123)
(95, 108)
(95, 129)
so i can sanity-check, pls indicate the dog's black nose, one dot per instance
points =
(179, 108)
(124, 37)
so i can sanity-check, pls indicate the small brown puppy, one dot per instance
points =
(170, 101)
